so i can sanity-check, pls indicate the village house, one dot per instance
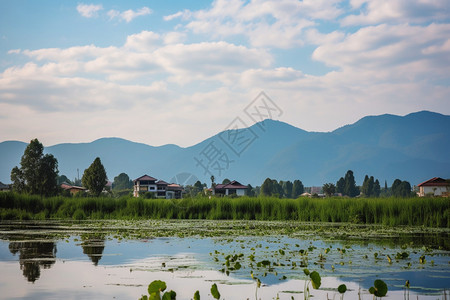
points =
(160, 188)
(435, 186)
(232, 188)
(73, 189)
(4, 187)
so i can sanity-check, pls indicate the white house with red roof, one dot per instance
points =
(160, 188)
(232, 188)
(435, 186)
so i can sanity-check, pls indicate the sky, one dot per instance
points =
(178, 72)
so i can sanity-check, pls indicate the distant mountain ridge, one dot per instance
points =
(414, 147)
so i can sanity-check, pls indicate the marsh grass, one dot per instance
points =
(429, 212)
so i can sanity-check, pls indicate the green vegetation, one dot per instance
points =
(37, 174)
(429, 212)
(282, 189)
(94, 177)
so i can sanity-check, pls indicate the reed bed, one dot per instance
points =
(429, 212)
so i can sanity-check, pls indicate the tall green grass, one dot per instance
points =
(430, 212)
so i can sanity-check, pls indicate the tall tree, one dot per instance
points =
(365, 186)
(267, 187)
(297, 189)
(94, 177)
(277, 189)
(287, 189)
(401, 188)
(376, 188)
(38, 172)
(48, 174)
(122, 182)
(250, 191)
(329, 189)
(340, 185)
(371, 186)
(350, 188)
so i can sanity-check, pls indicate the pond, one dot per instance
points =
(247, 260)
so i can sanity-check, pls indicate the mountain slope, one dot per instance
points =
(414, 148)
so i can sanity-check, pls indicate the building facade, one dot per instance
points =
(159, 188)
(436, 186)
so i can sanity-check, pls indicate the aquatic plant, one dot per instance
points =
(314, 279)
(155, 288)
(379, 288)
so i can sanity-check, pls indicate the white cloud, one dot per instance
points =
(176, 15)
(144, 41)
(391, 51)
(397, 11)
(89, 10)
(14, 51)
(265, 23)
(129, 15)
(174, 37)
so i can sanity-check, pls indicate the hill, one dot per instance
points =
(414, 147)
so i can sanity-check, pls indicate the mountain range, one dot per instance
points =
(414, 147)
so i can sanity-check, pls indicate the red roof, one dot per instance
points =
(174, 187)
(435, 181)
(145, 178)
(232, 185)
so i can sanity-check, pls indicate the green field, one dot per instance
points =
(428, 212)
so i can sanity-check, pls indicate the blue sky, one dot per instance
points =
(161, 72)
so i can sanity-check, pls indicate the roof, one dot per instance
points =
(4, 186)
(174, 187)
(145, 178)
(435, 181)
(161, 182)
(232, 185)
(66, 186)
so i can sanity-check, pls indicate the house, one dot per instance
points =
(232, 188)
(73, 189)
(160, 188)
(434, 187)
(4, 187)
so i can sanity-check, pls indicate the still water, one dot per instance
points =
(55, 261)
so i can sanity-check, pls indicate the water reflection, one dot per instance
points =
(93, 246)
(34, 255)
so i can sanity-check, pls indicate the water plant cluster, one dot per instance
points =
(429, 212)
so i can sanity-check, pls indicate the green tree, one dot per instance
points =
(226, 181)
(63, 178)
(329, 189)
(350, 188)
(94, 177)
(48, 175)
(267, 187)
(287, 189)
(297, 189)
(37, 173)
(376, 189)
(277, 189)
(122, 182)
(401, 188)
(250, 191)
(365, 186)
(340, 185)
(197, 188)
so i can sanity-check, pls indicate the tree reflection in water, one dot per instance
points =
(33, 255)
(93, 246)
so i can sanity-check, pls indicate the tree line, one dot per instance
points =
(38, 175)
